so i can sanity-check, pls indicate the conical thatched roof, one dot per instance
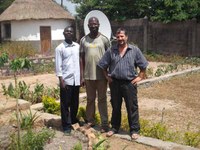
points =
(34, 9)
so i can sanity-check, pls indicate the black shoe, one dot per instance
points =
(104, 129)
(81, 123)
(67, 132)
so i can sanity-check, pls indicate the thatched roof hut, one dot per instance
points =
(34, 9)
(39, 22)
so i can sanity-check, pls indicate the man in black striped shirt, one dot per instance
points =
(120, 65)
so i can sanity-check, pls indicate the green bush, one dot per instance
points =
(34, 96)
(27, 120)
(31, 140)
(81, 113)
(78, 146)
(50, 105)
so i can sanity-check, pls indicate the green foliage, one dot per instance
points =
(43, 68)
(8, 91)
(4, 4)
(157, 10)
(25, 93)
(156, 57)
(27, 119)
(194, 61)
(3, 59)
(99, 145)
(81, 113)
(52, 92)
(82, 89)
(124, 123)
(169, 10)
(20, 63)
(192, 138)
(157, 130)
(164, 69)
(38, 93)
(77, 146)
(97, 118)
(50, 105)
(102, 143)
(32, 140)
(23, 90)
(149, 72)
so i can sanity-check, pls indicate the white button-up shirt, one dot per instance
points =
(67, 63)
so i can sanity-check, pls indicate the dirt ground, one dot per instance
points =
(175, 102)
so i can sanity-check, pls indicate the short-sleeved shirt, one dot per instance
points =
(94, 50)
(67, 63)
(123, 68)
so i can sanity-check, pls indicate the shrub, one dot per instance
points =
(192, 138)
(50, 105)
(18, 49)
(32, 140)
(27, 120)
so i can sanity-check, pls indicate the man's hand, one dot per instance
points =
(109, 79)
(136, 80)
(140, 77)
(62, 83)
(82, 82)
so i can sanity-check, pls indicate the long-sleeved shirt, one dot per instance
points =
(67, 63)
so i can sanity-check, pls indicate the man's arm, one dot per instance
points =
(82, 67)
(58, 64)
(140, 76)
(109, 79)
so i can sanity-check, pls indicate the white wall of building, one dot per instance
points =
(29, 30)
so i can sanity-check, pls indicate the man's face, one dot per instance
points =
(93, 25)
(121, 38)
(68, 33)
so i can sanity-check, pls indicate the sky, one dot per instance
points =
(70, 6)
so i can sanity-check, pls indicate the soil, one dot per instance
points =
(175, 113)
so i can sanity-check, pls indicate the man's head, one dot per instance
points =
(68, 33)
(93, 25)
(122, 36)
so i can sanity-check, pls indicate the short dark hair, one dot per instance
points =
(68, 27)
(93, 18)
(121, 29)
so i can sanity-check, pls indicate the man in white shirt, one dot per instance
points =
(68, 72)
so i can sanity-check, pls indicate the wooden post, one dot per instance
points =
(194, 30)
(145, 36)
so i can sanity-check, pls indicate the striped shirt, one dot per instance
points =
(123, 68)
(67, 63)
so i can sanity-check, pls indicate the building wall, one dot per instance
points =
(30, 30)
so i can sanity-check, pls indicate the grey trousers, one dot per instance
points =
(98, 87)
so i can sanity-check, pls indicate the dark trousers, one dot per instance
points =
(124, 89)
(69, 102)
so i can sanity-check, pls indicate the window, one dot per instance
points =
(7, 30)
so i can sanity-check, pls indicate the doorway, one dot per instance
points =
(45, 39)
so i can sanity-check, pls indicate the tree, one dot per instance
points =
(156, 10)
(5, 4)
(17, 65)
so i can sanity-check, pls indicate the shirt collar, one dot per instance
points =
(68, 45)
(115, 48)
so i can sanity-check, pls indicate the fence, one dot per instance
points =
(181, 38)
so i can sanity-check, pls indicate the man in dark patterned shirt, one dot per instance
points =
(122, 61)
